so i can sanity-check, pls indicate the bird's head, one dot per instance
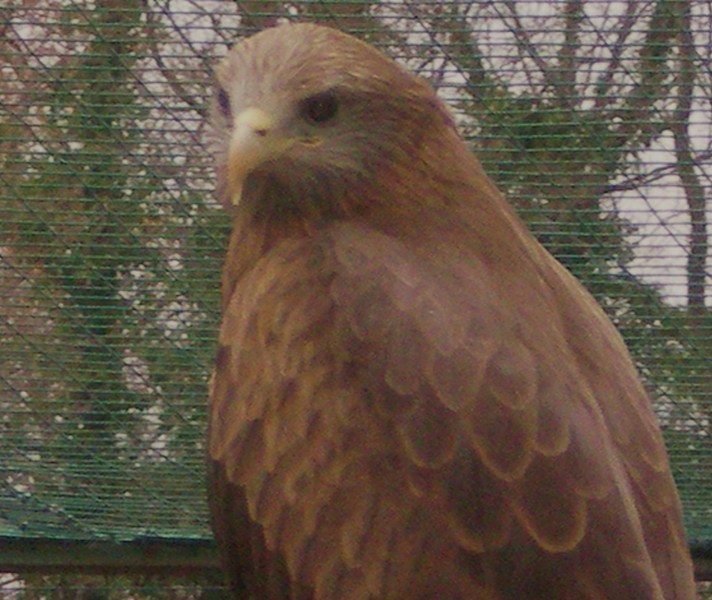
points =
(303, 110)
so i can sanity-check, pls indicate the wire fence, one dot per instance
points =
(594, 117)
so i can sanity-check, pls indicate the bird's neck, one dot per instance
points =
(251, 238)
(425, 201)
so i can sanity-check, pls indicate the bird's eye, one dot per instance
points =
(223, 101)
(320, 108)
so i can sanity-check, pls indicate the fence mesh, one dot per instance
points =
(593, 116)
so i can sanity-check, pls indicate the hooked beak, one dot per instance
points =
(254, 141)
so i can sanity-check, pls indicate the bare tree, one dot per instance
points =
(594, 117)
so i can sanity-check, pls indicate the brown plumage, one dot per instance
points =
(412, 398)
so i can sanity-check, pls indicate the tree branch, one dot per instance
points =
(694, 192)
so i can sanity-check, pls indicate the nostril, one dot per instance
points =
(253, 122)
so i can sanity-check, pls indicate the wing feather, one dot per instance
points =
(398, 423)
(558, 442)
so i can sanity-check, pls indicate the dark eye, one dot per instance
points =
(320, 108)
(223, 101)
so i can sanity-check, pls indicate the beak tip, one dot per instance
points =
(236, 195)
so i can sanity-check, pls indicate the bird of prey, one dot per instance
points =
(411, 399)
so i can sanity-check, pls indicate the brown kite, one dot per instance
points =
(412, 399)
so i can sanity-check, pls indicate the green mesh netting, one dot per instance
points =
(594, 117)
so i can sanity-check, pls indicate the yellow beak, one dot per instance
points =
(253, 142)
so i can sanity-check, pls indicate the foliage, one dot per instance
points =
(111, 243)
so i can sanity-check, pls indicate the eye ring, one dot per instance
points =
(320, 108)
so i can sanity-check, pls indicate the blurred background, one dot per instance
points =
(594, 117)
